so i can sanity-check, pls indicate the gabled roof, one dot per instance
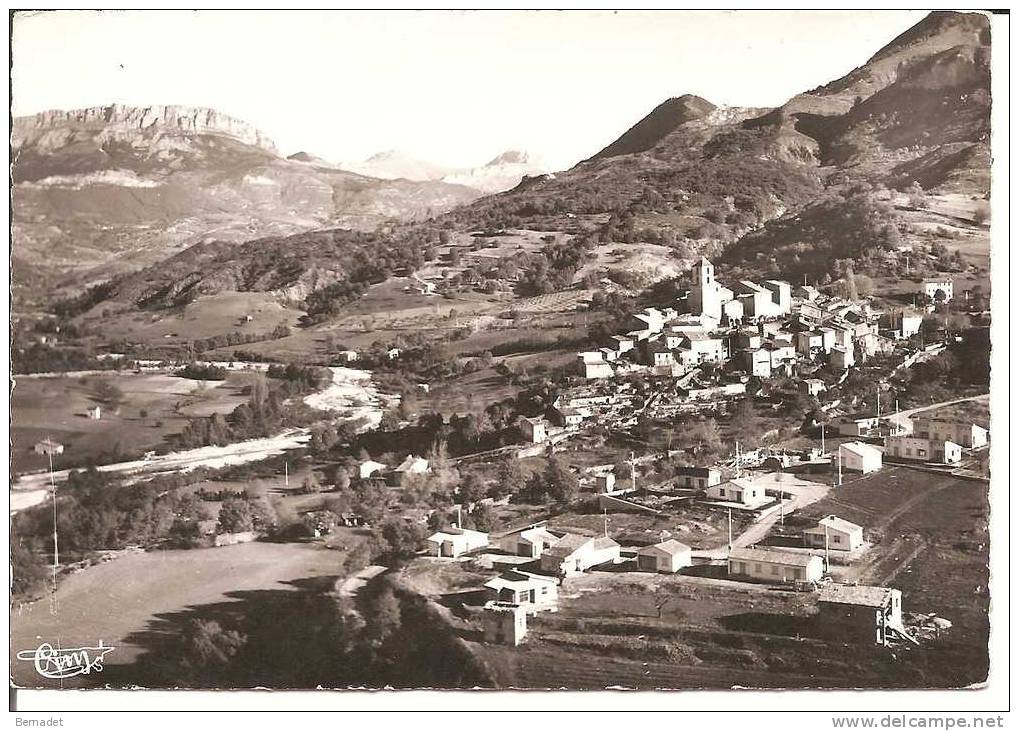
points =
(605, 542)
(412, 462)
(860, 449)
(538, 535)
(568, 544)
(834, 522)
(671, 547)
(866, 596)
(787, 558)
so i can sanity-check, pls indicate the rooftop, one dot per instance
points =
(866, 596)
(671, 547)
(836, 523)
(788, 558)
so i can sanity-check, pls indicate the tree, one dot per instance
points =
(206, 645)
(556, 483)
(403, 539)
(385, 616)
(483, 518)
(235, 516)
(745, 421)
(472, 488)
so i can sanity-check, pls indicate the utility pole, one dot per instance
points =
(822, 438)
(827, 561)
(730, 530)
(877, 389)
(633, 472)
(286, 474)
(56, 551)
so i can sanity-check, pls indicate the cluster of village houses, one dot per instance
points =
(850, 613)
(758, 329)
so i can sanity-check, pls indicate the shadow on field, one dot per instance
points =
(270, 637)
(787, 625)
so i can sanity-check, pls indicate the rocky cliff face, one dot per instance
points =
(107, 189)
(50, 129)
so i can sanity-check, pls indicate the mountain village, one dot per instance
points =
(710, 408)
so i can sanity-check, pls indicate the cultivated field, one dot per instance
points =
(152, 407)
(206, 317)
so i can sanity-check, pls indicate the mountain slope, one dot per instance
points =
(917, 111)
(107, 189)
(662, 120)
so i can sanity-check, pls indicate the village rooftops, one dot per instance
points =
(836, 523)
(787, 558)
(671, 547)
(604, 542)
(412, 463)
(860, 448)
(568, 544)
(865, 596)
(696, 471)
(513, 579)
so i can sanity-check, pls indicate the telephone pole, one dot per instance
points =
(56, 550)
(730, 530)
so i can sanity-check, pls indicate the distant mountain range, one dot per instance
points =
(783, 189)
(498, 174)
(107, 189)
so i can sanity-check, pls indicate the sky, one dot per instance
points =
(451, 87)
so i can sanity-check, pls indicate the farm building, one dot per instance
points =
(505, 624)
(592, 365)
(347, 356)
(531, 542)
(858, 427)
(534, 430)
(370, 467)
(859, 457)
(961, 432)
(938, 290)
(519, 587)
(746, 491)
(94, 412)
(666, 557)
(48, 446)
(567, 416)
(866, 614)
(573, 554)
(700, 478)
(412, 465)
(453, 542)
(834, 532)
(928, 450)
(775, 566)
